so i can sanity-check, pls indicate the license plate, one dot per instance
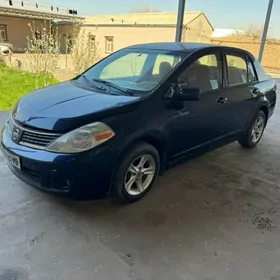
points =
(12, 159)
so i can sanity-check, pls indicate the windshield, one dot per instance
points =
(133, 69)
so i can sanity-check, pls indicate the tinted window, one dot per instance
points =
(237, 70)
(251, 72)
(164, 59)
(205, 73)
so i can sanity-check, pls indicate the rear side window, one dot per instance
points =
(251, 72)
(237, 70)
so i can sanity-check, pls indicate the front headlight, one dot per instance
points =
(82, 139)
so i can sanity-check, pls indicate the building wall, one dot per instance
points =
(18, 30)
(199, 30)
(126, 36)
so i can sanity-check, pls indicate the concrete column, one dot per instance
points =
(180, 20)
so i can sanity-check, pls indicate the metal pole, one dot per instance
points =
(180, 20)
(265, 29)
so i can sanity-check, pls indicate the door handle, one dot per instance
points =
(222, 100)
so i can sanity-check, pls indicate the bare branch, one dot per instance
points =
(254, 31)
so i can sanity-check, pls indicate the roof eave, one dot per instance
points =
(10, 12)
(128, 25)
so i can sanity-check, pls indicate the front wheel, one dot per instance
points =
(136, 173)
(254, 133)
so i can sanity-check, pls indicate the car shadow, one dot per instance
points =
(217, 191)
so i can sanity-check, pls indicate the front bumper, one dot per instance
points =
(86, 174)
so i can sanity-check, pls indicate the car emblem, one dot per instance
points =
(16, 134)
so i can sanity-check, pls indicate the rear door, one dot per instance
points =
(242, 94)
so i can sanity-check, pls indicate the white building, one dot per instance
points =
(223, 32)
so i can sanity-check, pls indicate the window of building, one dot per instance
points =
(205, 73)
(92, 39)
(3, 33)
(237, 70)
(109, 44)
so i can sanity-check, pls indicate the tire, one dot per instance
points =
(250, 140)
(130, 183)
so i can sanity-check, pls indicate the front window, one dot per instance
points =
(135, 70)
(204, 73)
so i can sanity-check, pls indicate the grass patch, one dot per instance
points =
(14, 84)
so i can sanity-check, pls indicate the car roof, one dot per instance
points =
(182, 47)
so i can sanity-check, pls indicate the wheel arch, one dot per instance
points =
(157, 140)
(265, 109)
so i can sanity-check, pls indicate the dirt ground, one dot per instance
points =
(215, 217)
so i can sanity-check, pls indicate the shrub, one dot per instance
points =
(43, 48)
(83, 49)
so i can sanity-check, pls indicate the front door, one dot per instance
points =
(194, 124)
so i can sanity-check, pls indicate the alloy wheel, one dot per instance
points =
(140, 174)
(257, 130)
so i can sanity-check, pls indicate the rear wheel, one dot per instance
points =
(136, 173)
(255, 131)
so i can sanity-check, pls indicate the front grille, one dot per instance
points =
(36, 139)
(32, 138)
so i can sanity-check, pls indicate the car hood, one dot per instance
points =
(66, 106)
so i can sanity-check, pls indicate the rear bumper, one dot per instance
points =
(85, 174)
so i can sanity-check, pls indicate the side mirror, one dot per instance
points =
(187, 93)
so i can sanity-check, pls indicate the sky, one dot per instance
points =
(237, 14)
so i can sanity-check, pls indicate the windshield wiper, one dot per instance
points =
(90, 83)
(111, 85)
